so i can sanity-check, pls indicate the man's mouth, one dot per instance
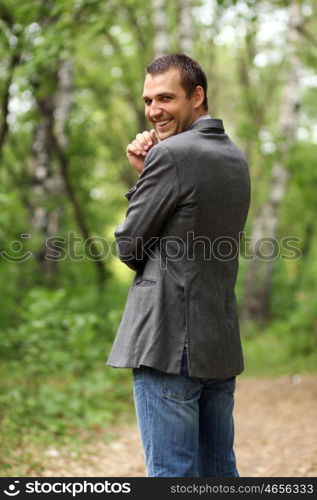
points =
(163, 123)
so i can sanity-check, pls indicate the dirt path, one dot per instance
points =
(276, 435)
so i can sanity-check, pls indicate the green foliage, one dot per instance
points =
(57, 329)
(277, 351)
(54, 378)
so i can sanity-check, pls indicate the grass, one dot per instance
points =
(268, 356)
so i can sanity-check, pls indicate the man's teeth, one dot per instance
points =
(164, 122)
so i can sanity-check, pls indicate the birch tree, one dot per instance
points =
(186, 27)
(265, 226)
(160, 38)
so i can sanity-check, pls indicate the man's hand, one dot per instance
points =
(139, 148)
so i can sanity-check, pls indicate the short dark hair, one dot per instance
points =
(191, 72)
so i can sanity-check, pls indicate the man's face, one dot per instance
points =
(166, 104)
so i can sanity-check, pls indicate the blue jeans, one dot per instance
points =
(185, 423)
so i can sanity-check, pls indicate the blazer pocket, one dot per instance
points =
(145, 282)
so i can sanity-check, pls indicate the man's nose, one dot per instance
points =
(155, 110)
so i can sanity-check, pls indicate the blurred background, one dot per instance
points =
(71, 78)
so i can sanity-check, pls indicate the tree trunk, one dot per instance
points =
(186, 27)
(259, 275)
(45, 186)
(60, 142)
(8, 21)
(160, 28)
(14, 61)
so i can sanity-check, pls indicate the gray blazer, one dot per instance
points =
(181, 236)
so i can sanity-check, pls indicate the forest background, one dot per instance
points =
(71, 77)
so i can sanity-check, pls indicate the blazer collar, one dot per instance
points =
(214, 123)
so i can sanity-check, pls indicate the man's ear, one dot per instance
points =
(199, 96)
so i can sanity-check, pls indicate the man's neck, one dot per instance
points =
(200, 113)
(202, 116)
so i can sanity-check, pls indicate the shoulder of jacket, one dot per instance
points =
(176, 142)
(179, 140)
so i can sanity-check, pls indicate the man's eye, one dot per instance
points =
(147, 101)
(165, 98)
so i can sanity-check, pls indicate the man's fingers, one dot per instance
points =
(135, 149)
(139, 147)
(131, 150)
(145, 140)
(142, 143)
(153, 136)
(144, 137)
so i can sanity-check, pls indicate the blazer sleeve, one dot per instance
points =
(152, 201)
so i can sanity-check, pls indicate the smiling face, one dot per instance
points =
(166, 105)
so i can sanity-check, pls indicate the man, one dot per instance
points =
(179, 330)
